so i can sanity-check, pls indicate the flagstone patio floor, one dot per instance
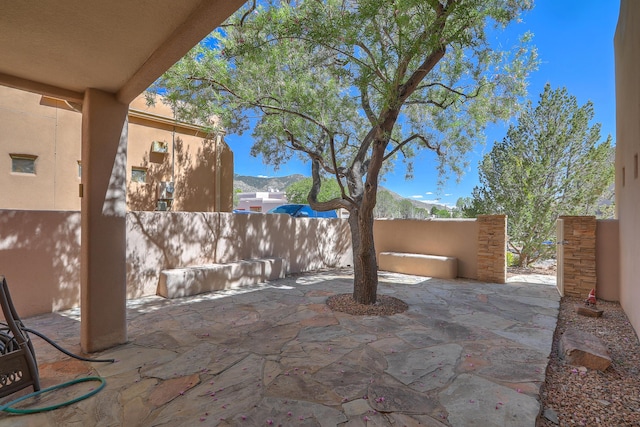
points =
(466, 353)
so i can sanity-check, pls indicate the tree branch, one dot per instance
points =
(376, 69)
(312, 198)
(366, 104)
(408, 140)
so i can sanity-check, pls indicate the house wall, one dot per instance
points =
(28, 126)
(627, 64)
(261, 201)
(200, 165)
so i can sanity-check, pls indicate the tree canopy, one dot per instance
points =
(298, 191)
(551, 163)
(353, 86)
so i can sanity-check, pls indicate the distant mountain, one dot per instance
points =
(414, 202)
(251, 184)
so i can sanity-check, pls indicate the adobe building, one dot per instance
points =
(171, 165)
(627, 63)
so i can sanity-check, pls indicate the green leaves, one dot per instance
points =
(298, 191)
(551, 163)
(320, 76)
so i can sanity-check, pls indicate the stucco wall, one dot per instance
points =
(201, 167)
(40, 257)
(627, 63)
(608, 260)
(446, 237)
(40, 250)
(158, 241)
(51, 134)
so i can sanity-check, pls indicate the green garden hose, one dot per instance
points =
(8, 406)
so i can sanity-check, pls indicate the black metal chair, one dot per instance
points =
(18, 368)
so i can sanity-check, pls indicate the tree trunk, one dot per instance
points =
(365, 266)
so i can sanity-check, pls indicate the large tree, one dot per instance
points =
(551, 163)
(355, 85)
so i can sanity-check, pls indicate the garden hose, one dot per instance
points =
(8, 406)
(68, 353)
(8, 344)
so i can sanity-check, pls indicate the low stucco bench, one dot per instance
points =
(187, 281)
(442, 267)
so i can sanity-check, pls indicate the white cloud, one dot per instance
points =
(429, 192)
(417, 196)
(448, 194)
(264, 176)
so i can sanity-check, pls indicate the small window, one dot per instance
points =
(23, 163)
(79, 169)
(139, 175)
(623, 178)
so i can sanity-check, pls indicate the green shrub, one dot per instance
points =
(512, 259)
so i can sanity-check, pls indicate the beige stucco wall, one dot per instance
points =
(40, 250)
(201, 165)
(158, 241)
(607, 260)
(446, 237)
(52, 134)
(627, 63)
(194, 162)
(40, 257)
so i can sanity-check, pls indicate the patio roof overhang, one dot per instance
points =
(102, 54)
(63, 48)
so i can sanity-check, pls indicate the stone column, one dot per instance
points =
(103, 239)
(492, 246)
(579, 255)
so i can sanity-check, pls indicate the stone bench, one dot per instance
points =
(187, 281)
(443, 267)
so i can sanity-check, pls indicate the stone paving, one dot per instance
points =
(465, 354)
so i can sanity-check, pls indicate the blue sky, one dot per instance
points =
(574, 39)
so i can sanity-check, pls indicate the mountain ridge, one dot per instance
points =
(254, 184)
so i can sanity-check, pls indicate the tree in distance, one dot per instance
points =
(551, 163)
(353, 86)
(298, 191)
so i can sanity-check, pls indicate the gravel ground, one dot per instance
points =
(575, 396)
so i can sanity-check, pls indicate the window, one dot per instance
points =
(79, 169)
(23, 163)
(138, 174)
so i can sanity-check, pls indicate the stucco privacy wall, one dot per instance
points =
(627, 63)
(608, 259)
(157, 241)
(40, 258)
(40, 250)
(445, 237)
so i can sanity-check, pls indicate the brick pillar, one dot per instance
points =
(492, 246)
(579, 246)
